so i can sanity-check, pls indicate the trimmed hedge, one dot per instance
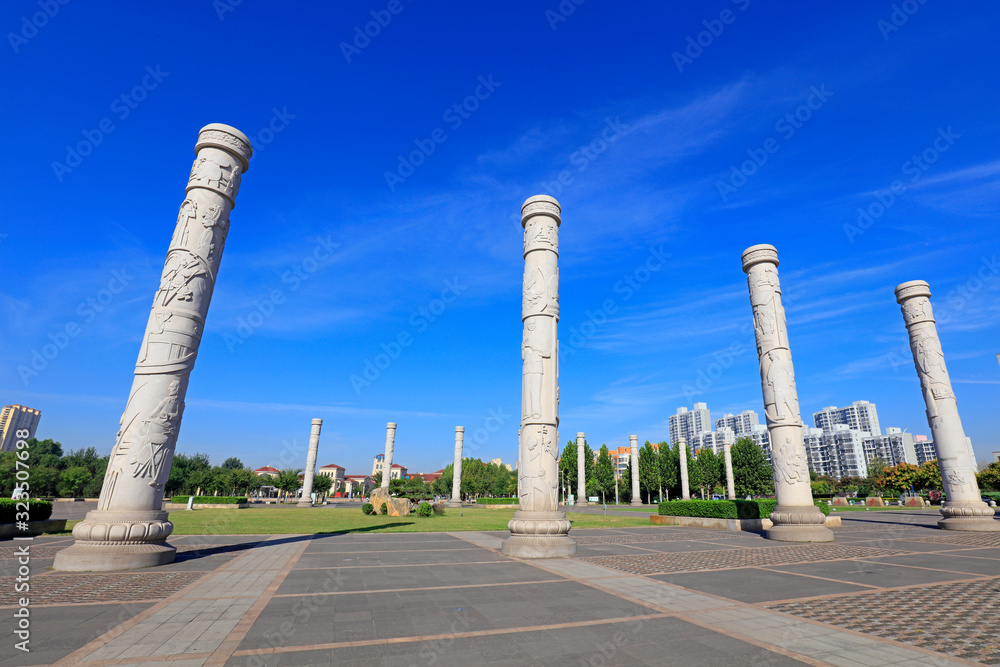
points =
(496, 501)
(38, 510)
(368, 508)
(425, 509)
(210, 500)
(724, 509)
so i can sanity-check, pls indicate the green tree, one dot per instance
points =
(288, 480)
(442, 485)
(625, 484)
(874, 479)
(377, 480)
(649, 473)
(322, 484)
(899, 478)
(567, 468)
(604, 474)
(232, 463)
(989, 478)
(711, 469)
(694, 472)
(73, 480)
(929, 476)
(751, 472)
(670, 473)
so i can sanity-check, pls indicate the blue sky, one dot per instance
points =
(651, 155)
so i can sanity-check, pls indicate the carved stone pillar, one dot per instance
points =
(682, 450)
(964, 508)
(310, 473)
(633, 441)
(456, 480)
(795, 518)
(539, 529)
(730, 481)
(581, 470)
(129, 528)
(390, 443)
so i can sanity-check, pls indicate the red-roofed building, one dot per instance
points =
(428, 477)
(334, 472)
(356, 485)
(267, 471)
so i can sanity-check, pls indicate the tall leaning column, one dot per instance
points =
(456, 471)
(581, 470)
(633, 441)
(310, 473)
(795, 518)
(390, 444)
(964, 508)
(730, 480)
(682, 450)
(129, 528)
(539, 529)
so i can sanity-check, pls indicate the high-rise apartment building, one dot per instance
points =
(714, 440)
(893, 448)
(858, 416)
(925, 450)
(741, 424)
(689, 423)
(16, 418)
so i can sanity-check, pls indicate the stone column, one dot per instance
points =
(730, 481)
(456, 478)
(581, 470)
(310, 473)
(633, 441)
(390, 442)
(539, 529)
(129, 527)
(795, 518)
(964, 508)
(682, 451)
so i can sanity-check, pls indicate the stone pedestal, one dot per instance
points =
(795, 518)
(310, 472)
(581, 470)
(129, 528)
(682, 451)
(456, 481)
(730, 481)
(390, 443)
(633, 442)
(539, 529)
(964, 508)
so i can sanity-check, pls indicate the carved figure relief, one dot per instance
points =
(171, 340)
(534, 288)
(540, 233)
(209, 220)
(155, 436)
(189, 210)
(789, 463)
(206, 171)
(781, 404)
(534, 351)
(179, 270)
(538, 491)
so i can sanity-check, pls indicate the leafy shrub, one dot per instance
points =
(38, 510)
(724, 509)
(438, 508)
(210, 500)
(368, 508)
(995, 495)
(383, 509)
(425, 509)
(496, 501)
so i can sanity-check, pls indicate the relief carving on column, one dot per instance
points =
(789, 463)
(781, 403)
(534, 351)
(538, 487)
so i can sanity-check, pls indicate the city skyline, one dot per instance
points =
(373, 266)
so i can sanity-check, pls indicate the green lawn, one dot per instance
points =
(292, 520)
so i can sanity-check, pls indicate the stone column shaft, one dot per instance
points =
(539, 529)
(129, 527)
(964, 508)
(581, 469)
(390, 443)
(682, 450)
(633, 441)
(795, 518)
(456, 481)
(730, 481)
(310, 472)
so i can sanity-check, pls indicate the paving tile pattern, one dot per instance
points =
(91, 587)
(966, 539)
(717, 560)
(668, 537)
(959, 619)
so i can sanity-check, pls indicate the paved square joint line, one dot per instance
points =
(670, 537)
(93, 587)
(731, 558)
(958, 619)
(966, 539)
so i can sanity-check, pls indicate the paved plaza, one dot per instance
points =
(892, 589)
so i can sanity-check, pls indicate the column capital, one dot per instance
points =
(580, 434)
(227, 138)
(459, 429)
(391, 425)
(911, 289)
(756, 254)
(317, 422)
(541, 205)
